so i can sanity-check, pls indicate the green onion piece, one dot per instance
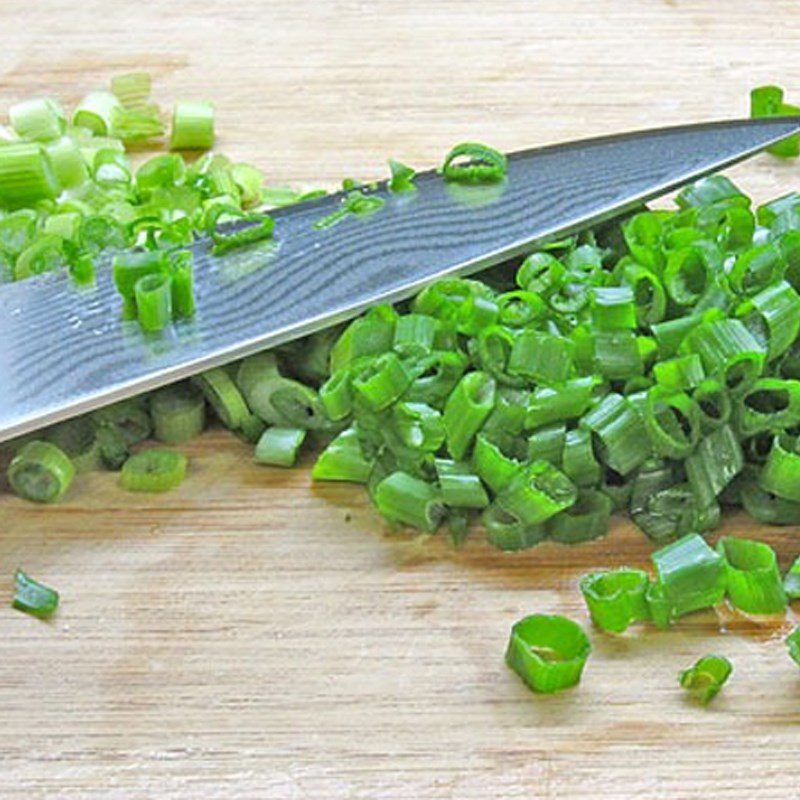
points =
(717, 460)
(77, 439)
(781, 473)
(547, 444)
(414, 335)
(473, 163)
(771, 404)
(548, 652)
(728, 350)
(114, 450)
(558, 404)
(492, 466)
(710, 191)
(756, 269)
(136, 124)
(690, 576)
(775, 313)
(250, 181)
(688, 275)
(132, 89)
(616, 599)
(279, 446)
(33, 597)
(336, 396)
(705, 679)
(407, 500)
(436, 377)
(617, 354)
(466, 410)
(192, 126)
(94, 112)
(26, 175)
(476, 313)
(713, 403)
(791, 581)
(680, 374)
(45, 254)
(620, 433)
(578, 460)
(540, 273)
(38, 120)
(539, 491)
(181, 271)
(649, 297)
(160, 172)
(370, 335)
(129, 418)
(613, 308)
(223, 396)
(260, 230)
(66, 161)
(767, 101)
(766, 507)
(586, 519)
(342, 460)
(669, 335)
(154, 470)
(154, 302)
(520, 308)
(41, 472)
(754, 581)
(381, 382)
(419, 426)
(130, 267)
(493, 349)
(507, 532)
(540, 356)
(402, 179)
(178, 412)
(459, 486)
(793, 644)
(508, 416)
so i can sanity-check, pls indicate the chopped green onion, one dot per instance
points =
(154, 302)
(620, 433)
(381, 382)
(224, 397)
(94, 112)
(26, 175)
(538, 491)
(548, 652)
(279, 446)
(561, 403)
(132, 89)
(342, 460)
(402, 177)
(466, 410)
(179, 413)
(41, 472)
(754, 581)
(33, 597)
(402, 498)
(474, 163)
(616, 599)
(705, 679)
(192, 126)
(717, 460)
(154, 470)
(459, 486)
(586, 519)
(492, 466)
(540, 356)
(690, 576)
(38, 120)
(781, 473)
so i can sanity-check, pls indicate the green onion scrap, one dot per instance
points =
(706, 678)
(32, 597)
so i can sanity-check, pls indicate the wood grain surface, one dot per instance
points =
(252, 636)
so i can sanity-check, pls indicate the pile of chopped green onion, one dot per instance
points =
(650, 366)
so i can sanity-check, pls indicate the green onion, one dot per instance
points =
(767, 101)
(459, 486)
(342, 460)
(26, 175)
(154, 470)
(381, 382)
(586, 519)
(41, 472)
(94, 112)
(473, 163)
(33, 597)
(690, 576)
(616, 599)
(538, 491)
(402, 177)
(493, 467)
(224, 397)
(754, 581)
(717, 460)
(560, 403)
(38, 120)
(705, 679)
(548, 652)
(192, 126)
(279, 446)
(407, 500)
(179, 413)
(466, 410)
(77, 439)
(153, 295)
(620, 433)
(781, 473)
(507, 532)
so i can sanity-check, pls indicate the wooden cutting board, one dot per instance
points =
(252, 636)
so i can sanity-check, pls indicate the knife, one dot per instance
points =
(65, 351)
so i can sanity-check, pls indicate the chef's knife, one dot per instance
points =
(64, 351)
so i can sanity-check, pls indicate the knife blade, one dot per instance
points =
(65, 351)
